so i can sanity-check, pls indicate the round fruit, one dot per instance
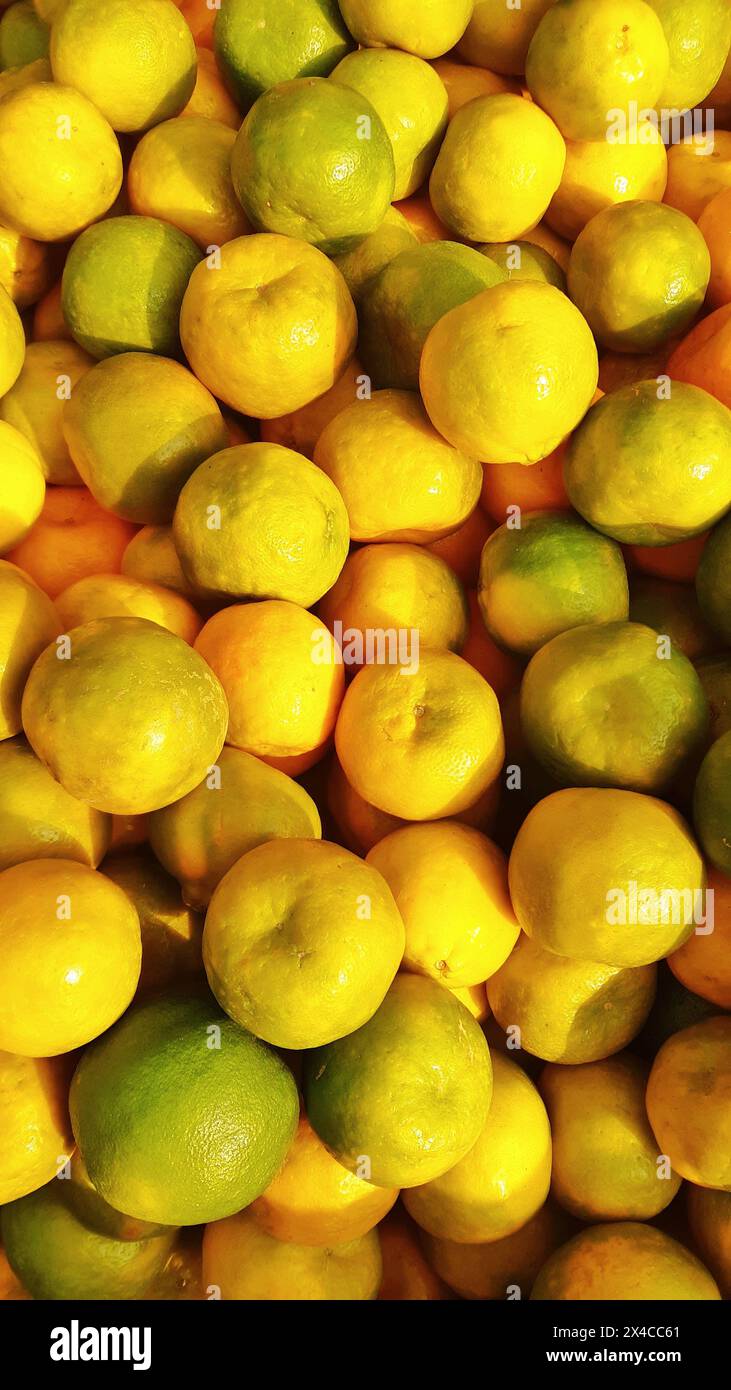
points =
(417, 488)
(606, 1166)
(624, 1261)
(689, 1102)
(605, 875)
(115, 596)
(496, 1269)
(703, 357)
(271, 328)
(425, 27)
(23, 36)
(35, 405)
(123, 285)
(201, 836)
(395, 587)
(283, 676)
(411, 101)
(258, 47)
(151, 557)
(405, 1097)
(36, 1129)
(362, 265)
(53, 187)
(315, 1201)
(406, 1275)
(698, 36)
(589, 66)
(12, 342)
(548, 575)
(420, 745)
(57, 1256)
(302, 940)
(699, 167)
(703, 964)
(25, 267)
(28, 622)
(400, 306)
(313, 160)
(599, 174)
(521, 260)
(451, 887)
(242, 1261)
(713, 580)
(182, 1117)
(135, 59)
(72, 538)
(712, 804)
(181, 172)
(709, 1215)
(504, 1179)
(713, 223)
(70, 942)
(133, 456)
(82, 1199)
(613, 705)
(497, 37)
(261, 521)
(506, 376)
(129, 719)
(652, 466)
(39, 820)
(500, 164)
(23, 486)
(569, 1011)
(633, 302)
(211, 97)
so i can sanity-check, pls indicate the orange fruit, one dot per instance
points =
(500, 669)
(420, 215)
(535, 487)
(464, 82)
(703, 963)
(715, 224)
(463, 548)
(704, 357)
(424, 745)
(283, 678)
(679, 561)
(302, 428)
(72, 538)
(698, 169)
(211, 97)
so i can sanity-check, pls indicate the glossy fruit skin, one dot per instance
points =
(245, 1262)
(35, 1121)
(550, 575)
(58, 1257)
(288, 161)
(359, 1104)
(645, 304)
(659, 713)
(688, 1101)
(624, 1260)
(651, 468)
(93, 720)
(295, 40)
(226, 1140)
(302, 941)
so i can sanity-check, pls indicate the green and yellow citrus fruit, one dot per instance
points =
(129, 720)
(409, 1091)
(181, 1116)
(301, 942)
(548, 575)
(313, 160)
